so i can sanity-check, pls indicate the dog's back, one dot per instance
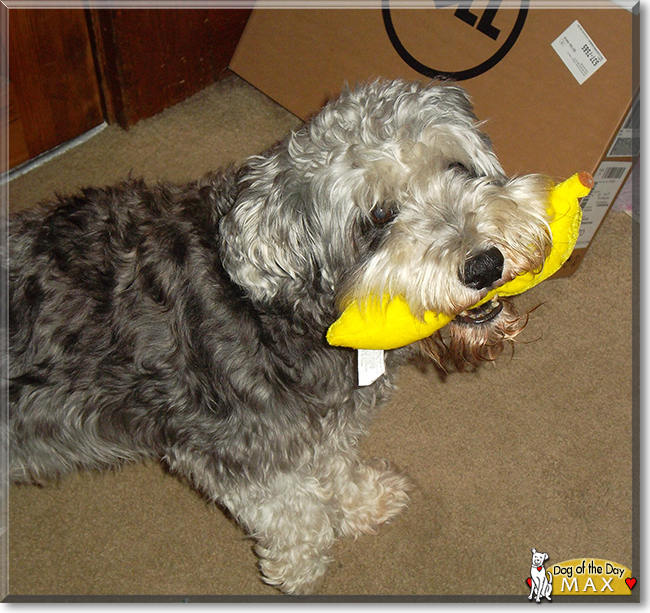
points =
(129, 340)
(110, 294)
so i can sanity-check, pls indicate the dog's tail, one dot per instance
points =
(550, 577)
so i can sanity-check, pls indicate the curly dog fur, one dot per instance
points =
(187, 323)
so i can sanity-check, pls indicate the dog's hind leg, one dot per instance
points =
(549, 586)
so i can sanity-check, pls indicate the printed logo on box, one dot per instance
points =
(480, 18)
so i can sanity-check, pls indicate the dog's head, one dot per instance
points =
(539, 558)
(391, 190)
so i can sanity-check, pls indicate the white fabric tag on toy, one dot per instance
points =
(370, 365)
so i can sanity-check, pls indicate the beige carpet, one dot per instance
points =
(535, 451)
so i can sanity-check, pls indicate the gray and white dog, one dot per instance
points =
(187, 323)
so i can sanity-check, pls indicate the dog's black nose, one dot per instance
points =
(482, 269)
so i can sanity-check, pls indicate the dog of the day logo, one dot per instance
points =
(578, 577)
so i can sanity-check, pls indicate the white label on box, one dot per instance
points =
(607, 181)
(578, 52)
(371, 365)
(627, 142)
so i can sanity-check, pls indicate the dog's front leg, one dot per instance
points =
(288, 513)
(288, 516)
(369, 493)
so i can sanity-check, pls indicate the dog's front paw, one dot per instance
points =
(377, 493)
(296, 570)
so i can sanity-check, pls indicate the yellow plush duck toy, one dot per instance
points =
(389, 324)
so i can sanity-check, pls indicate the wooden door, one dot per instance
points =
(69, 69)
(53, 91)
(151, 59)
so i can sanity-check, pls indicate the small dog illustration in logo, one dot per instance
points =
(541, 585)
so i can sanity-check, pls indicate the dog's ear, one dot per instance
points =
(545, 556)
(267, 243)
(534, 550)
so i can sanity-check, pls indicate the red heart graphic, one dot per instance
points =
(529, 581)
(631, 582)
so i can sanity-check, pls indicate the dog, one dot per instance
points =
(541, 586)
(187, 323)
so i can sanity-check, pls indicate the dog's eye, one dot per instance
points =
(383, 212)
(461, 168)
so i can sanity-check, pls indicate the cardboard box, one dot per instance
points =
(556, 86)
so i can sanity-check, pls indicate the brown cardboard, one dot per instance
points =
(540, 118)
